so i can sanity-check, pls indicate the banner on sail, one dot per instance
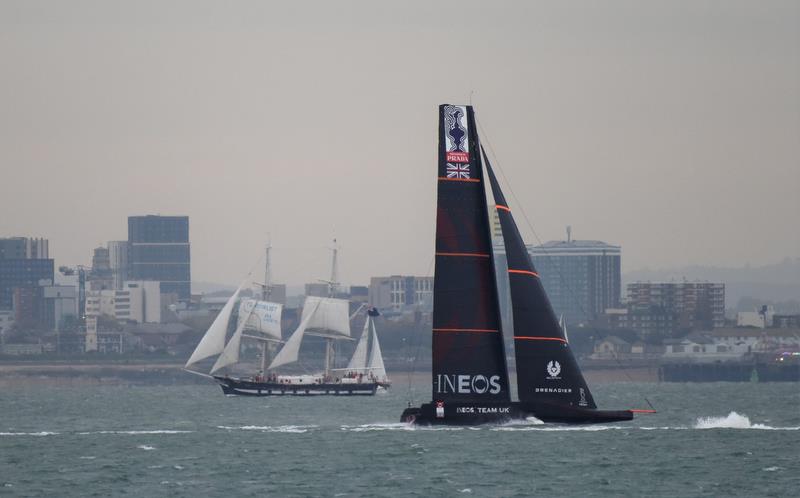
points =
(261, 316)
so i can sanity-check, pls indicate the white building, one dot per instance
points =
(757, 340)
(761, 318)
(138, 301)
(701, 348)
(60, 301)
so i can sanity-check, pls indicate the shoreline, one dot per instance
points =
(172, 373)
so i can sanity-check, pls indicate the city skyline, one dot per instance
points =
(669, 129)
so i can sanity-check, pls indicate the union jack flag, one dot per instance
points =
(457, 170)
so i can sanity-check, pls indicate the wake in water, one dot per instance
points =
(735, 421)
(37, 434)
(292, 429)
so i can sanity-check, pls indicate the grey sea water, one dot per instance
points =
(706, 440)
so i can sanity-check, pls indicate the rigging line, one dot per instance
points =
(541, 244)
(525, 216)
(418, 337)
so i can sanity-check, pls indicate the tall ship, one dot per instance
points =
(470, 374)
(259, 320)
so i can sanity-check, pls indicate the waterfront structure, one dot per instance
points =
(581, 277)
(398, 292)
(159, 250)
(696, 305)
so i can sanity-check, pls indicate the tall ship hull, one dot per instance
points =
(243, 387)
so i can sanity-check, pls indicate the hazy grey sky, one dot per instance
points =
(670, 128)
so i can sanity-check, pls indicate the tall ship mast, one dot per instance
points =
(260, 320)
(470, 374)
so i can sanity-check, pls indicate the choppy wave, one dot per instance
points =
(293, 429)
(136, 433)
(146, 447)
(735, 421)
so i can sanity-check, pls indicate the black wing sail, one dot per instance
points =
(468, 356)
(547, 373)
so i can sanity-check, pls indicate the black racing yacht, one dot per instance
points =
(470, 375)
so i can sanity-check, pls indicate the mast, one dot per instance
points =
(266, 291)
(332, 283)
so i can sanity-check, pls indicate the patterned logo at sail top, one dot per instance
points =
(456, 134)
(457, 170)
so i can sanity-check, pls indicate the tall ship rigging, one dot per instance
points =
(470, 374)
(260, 320)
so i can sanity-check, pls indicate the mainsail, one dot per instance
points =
(546, 368)
(213, 342)
(328, 317)
(468, 357)
(289, 351)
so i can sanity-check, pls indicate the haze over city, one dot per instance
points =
(671, 129)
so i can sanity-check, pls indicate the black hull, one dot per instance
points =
(498, 413)
(240, 387)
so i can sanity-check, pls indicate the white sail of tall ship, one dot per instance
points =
(260, 320)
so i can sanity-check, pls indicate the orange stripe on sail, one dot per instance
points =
(463, 254)
(465, 330)
(445, 179)
(634, 410)
(530, 338)
(524, 272)
(504, 208)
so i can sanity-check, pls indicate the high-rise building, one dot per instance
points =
(697, 305)
(582, 278)
(22, 273)
(118, 261)
(158, 249)
(100, 277)
(24, 248)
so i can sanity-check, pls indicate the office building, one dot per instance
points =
(399, 293)
(697, 305)
(16, 273)
(159, 250)
(582, 278)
